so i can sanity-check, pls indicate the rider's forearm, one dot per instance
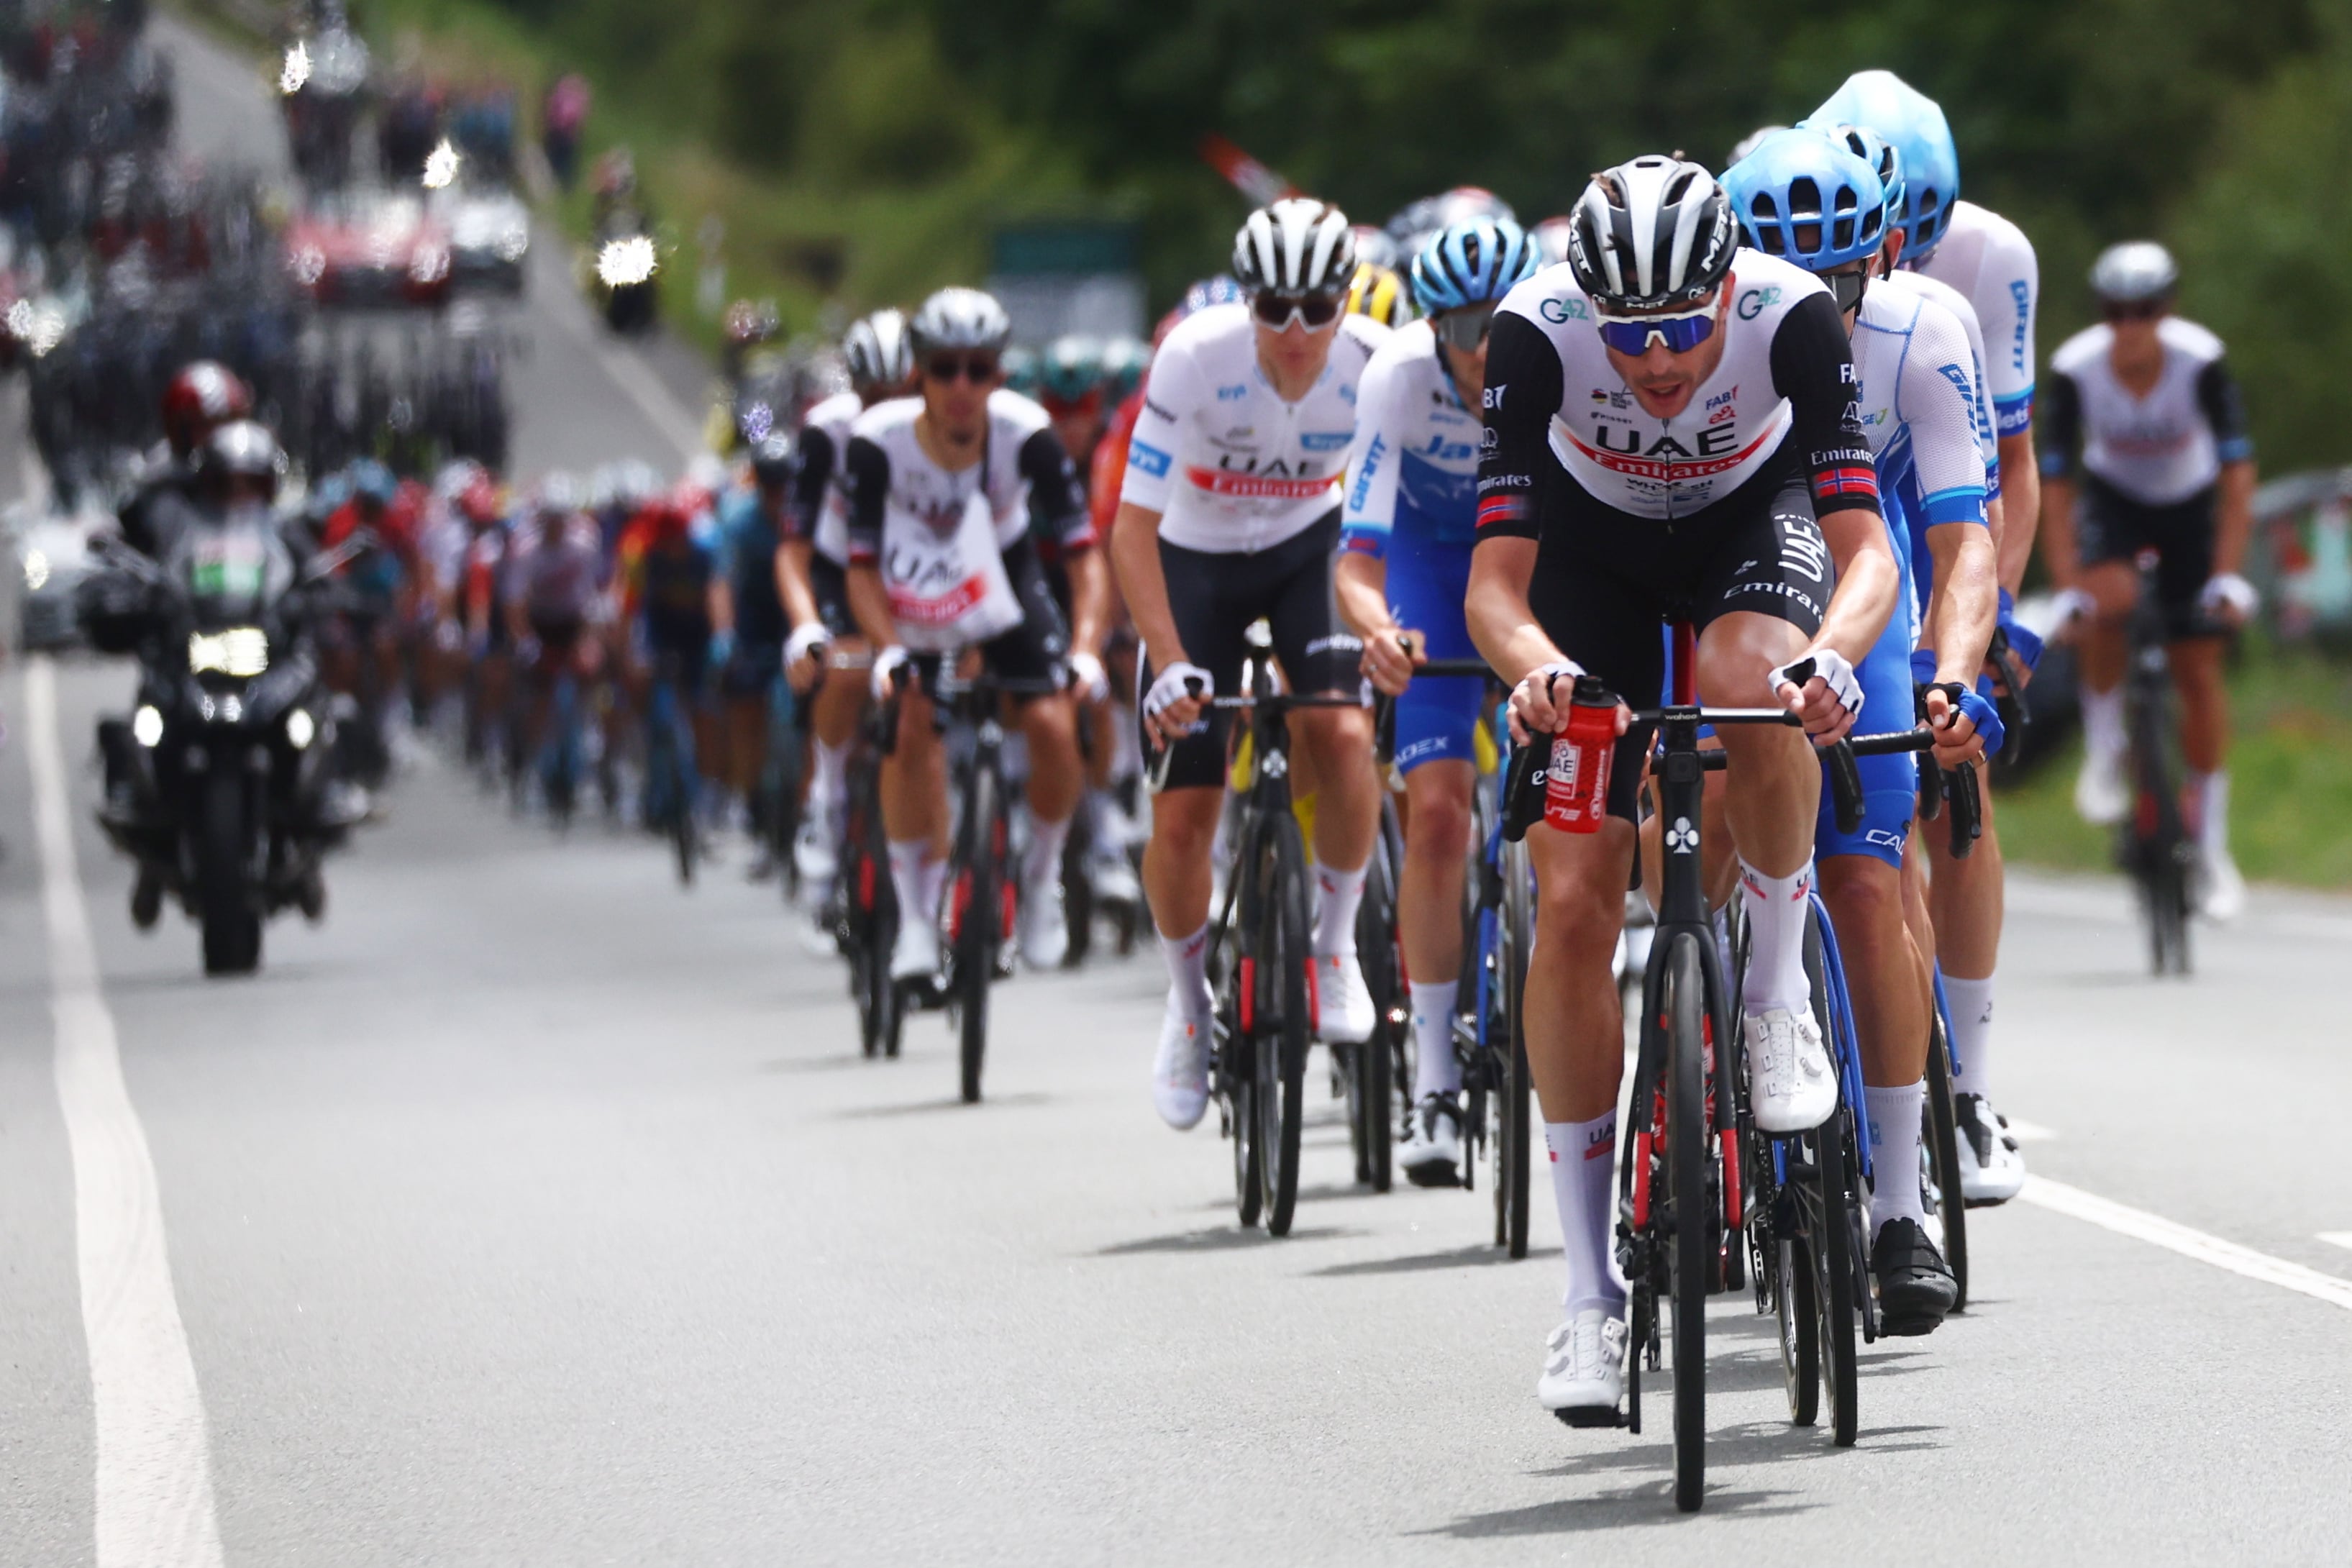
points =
(2233, 517)
(1868, 582)
(793, 583)
(871, 606)
(2021, 504)
(1501, 622)
(1089, 601)
(2058, 549)
(1135, 556)
(1965, 607)
(1360, 582)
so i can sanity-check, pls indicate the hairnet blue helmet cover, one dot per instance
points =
(1472, 262)
(1883, 101)
(1807, 199)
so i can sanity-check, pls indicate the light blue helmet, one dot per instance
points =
(1878, 152)
(1472, 262)
(1807, 199)
(1898, 111)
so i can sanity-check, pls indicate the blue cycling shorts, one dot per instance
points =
(1890, 785)
(1437, 717)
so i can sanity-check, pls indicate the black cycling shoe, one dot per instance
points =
(1915, 1287)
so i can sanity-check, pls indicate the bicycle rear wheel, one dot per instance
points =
(1844, 1261)
(1236, 1066)
(1284, 1015)
(975, 925)
(1949, 1208)
(1796, 1297)
(1515, 1132)
(1371, 1093)
(1688, 1143)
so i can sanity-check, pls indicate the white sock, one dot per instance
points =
(2212, 811)
(1188, 974)
(1435, 1069)
(2103, 721)
(1584, 1184)
(1778, 908)
(1971, 1004)
(1126, 748)
(911, 878)
(935, 881)
(1337, 895)
(1042, 863)
(1894, 1154)
(830, 781)
(1108, 822)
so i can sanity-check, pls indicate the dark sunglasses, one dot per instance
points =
(1465, 328)
(2137, 310)
(1632, 337)
(1277, 310)
(972, 367)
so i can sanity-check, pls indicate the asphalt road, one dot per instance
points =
(532, 1211)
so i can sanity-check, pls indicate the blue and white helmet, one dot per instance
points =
(1807, 199)
(1878, 152)
(1904, 116)
(1471, 263)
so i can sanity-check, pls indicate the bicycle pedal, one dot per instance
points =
(1586, 1417)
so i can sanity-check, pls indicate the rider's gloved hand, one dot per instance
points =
(2230, 595)
(888, 664)
(1533, 711)
(2024, 640)
(1087, 677)
(806, 642)
(1967, 725)
(1172, 706)
(722, 647)
(1823, 690)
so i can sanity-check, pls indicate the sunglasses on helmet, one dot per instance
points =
(973, 367)
(1316, 311)
(1632, 336)
(1465, 328)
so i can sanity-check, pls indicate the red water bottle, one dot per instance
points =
(1576, 785)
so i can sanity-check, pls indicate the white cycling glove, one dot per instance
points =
(2227, 589)
(1173, 684)
(2069, 605)
(1087, 677)
(887, 665)
(806, 642)
(1835, 672)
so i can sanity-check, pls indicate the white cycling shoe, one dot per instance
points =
(2101, 798)
(917, 954)
(1790, 1079)
(1114, 881)
(1992, 1170)
(1343, 1005)
(1583, 1379)
(1432, 1152)
(2221, 890)
(1044, 924)
(1180, 1072)
(815, 859)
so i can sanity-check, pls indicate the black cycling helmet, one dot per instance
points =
(242, 449)
(771, 461)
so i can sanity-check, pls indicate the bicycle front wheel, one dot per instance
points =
(1284, 1013)
(1514, 1130)
(1687, 1142)
(1950, 1209)
(975, 925)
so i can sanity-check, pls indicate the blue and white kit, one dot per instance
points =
(1989, 260)
(1411, 501)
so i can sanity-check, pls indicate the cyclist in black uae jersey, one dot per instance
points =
(1671, 433)
(945, 490)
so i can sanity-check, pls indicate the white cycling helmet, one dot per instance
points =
(878, 351)
(960, 318)
(1651, 233)
(2134, 273)
(1294, 246)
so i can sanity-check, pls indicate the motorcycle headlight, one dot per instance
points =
(625, 262)
(300, 728)
(37, 570)
(242, 652)
(147, 727)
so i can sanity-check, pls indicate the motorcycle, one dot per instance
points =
(625, 262)
(221, 784)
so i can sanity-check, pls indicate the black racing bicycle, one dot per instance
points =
(1262, 965)
(864, 913)
(2153, 844)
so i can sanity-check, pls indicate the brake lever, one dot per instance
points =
(1523, 791)
(1967, 809)
(1845, 784)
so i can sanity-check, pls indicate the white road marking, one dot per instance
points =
(154, 1495)
(2124, 1220)
(2338, 1239)
(2026, 1132)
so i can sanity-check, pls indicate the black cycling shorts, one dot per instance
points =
(829, 583)
(1606, 583)
(1214, 598)
(2111, 526)
(751, 667)
(559, 636)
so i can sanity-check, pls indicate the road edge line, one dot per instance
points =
(2155, 1229)
(155, 1505)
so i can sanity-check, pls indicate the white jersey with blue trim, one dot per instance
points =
(1917, 394)
(1952, 300)
(1228, 462)
(1414, 462)
(1989, 260)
